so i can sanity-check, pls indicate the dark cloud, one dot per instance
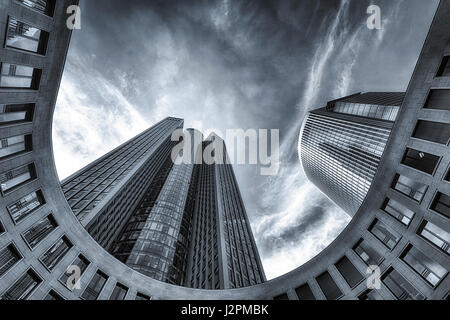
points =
(234, 64)
(293, 234)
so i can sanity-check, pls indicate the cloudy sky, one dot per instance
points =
(232, 64)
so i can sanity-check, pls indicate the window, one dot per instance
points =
(413, 189)
(52, 295)
(438, 99)
(382, 233)
(55, 254)
(9, 256)
(25, 37)
(23, 288)
(432, 131)
(437, 236)
(119, 292)
(40, 231)
(2, 229)
(304, 293)
(368, 295)
(141, 296)
(427, 268)
(399, 287)
(398, 211)
(25, 206)
(348, 271)
(447, 178)
(14, 146)
(421, 161)
(328, 286)
(19, 77)
(444, 69)
(441, 204)
(370, 256)
(80, 262)
(43, 6)
(17, 177)
(95, 286)
(283, 296)
(16, 113)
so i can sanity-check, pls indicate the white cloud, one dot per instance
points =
(92, 117)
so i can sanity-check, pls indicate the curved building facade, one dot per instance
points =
(341, 145)
(402, 226)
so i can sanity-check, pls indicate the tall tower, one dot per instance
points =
(177, 222)
(223, 251)
(156, 238)
(341, 145)
(104, 194)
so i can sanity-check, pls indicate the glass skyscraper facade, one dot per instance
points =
(223, 253)
(162, 218)
(341, 145)
(104, 194)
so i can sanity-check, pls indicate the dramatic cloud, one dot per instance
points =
(234, 64)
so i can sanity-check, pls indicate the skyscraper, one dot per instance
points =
(341, 145)
(104, 194)
(223, 253)
(181, 223)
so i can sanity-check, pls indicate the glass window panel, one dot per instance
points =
(400, 288)
(436, 235)
(82, 263)
(56, 253)
(141, 296)
(53, 296)
(304, 293)
(369, 255)
(17, 177)
(43, 6)
(441, 204)
(413, 189)
(9, 256)
(389, 237)
(40, 231)
(426, 267)
(444, 69)
(119, 292)
(16, 113)
(25, 37)
(369, 295)
(420, 160)
(95, 287)
(432, 131)
(349, 272)
(25, 206)
(13, 146)
(22, 77)
(438, 99)
(23, 288)
(398, 211)
(328, 286)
